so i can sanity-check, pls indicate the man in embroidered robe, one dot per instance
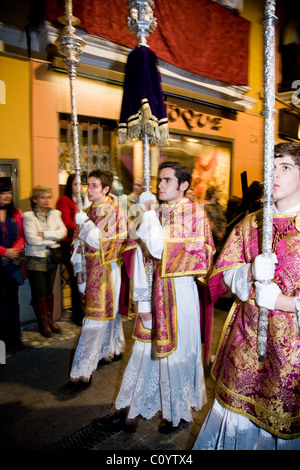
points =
(257, 403)
(165, 370)
(103, 229)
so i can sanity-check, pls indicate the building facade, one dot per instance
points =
(216, 128)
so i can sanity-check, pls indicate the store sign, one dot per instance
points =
(193, 120)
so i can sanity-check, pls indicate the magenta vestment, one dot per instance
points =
(100, 292)
(188, 251)
(268, 392)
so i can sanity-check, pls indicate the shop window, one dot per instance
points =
(97, 140)
(209, 160)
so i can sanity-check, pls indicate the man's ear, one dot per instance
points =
(184, 186)
(106, 190)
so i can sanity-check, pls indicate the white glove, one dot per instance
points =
(147, 324)
(266, 294)
(81, 217)
(81, 287)
(146, 196)
(263, 267)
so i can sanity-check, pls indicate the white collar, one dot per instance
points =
(287, 211)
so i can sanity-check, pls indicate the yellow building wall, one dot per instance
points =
(248, 151)
(253, 11)
(15, 138)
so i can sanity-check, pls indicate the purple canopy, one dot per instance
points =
(143, 109)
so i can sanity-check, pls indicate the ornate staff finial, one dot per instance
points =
(69, 45)
(141, 21)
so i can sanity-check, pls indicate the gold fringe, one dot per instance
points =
(144, 123)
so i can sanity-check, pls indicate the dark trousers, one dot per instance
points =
(77, 310)
(41, 282)
(10, 325)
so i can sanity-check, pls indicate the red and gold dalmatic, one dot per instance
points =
(188, 251)
(266, 392)
(112, 224)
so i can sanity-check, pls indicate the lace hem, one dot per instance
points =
(98, 340)
(167, 385)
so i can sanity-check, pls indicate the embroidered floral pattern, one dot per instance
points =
(268, 393)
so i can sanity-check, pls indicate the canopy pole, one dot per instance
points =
(70, 46)
(146, 162)
(142, 22)
(269, 103)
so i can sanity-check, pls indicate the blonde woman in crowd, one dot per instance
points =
(43, 228)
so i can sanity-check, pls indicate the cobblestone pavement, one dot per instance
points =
(35, 416)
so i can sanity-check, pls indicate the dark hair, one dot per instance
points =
(106, 177)
(6, 186)
(68, 188)
(182, 173)
(291, 149)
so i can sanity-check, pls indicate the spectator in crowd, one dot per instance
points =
(43, 229)
(67, 205)
(11, 267)
(133, 198)
(216, 215)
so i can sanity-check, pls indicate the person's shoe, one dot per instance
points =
(54, 326)
(111, 422)
(166, 427)
(115, 422)
(117, 357)
(71, 388)
(104, 361)
(131, 425)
